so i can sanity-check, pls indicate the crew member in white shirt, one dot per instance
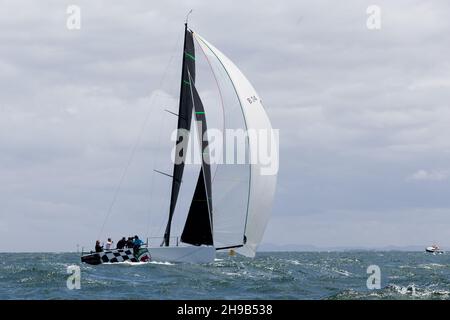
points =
(109, 244)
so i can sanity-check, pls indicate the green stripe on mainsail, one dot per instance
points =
(189, 56)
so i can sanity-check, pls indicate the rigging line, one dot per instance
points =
(124, 172)
(221, 99)
(163, 222)
(133, 150)
(187, 16)
(163, 173)
(174, 52)
(173, 113)
(152, 185)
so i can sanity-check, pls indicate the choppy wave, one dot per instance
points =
(431, 265)
(289, 275)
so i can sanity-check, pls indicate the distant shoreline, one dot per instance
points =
(269, 247)
(259, 251)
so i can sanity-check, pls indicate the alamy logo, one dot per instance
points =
(234, 146)
(374, 280)
(74, 19)
(74, 280)
(374, 18)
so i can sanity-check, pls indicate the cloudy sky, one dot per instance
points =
(364, 117)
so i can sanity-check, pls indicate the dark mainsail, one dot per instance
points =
(184, 121)
(197, 230)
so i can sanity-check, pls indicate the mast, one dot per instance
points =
(184, 122)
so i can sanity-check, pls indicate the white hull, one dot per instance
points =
(190, 254)
(433, 250)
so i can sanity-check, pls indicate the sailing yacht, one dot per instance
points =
(235, 220)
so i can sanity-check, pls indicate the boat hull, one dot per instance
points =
(191, 254)
(116, 255)
(200, 254)
(433, 250)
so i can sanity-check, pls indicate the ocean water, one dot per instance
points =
(272, 275)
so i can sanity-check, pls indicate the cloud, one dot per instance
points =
(433, 175)
(358, 111)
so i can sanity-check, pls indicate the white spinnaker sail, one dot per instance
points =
(230, 181)
(262, 179)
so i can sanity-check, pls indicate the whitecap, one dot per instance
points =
(431, 265)
(415, 291)
(232, 274)
(166, 263)
(126, 263)
(342, 272)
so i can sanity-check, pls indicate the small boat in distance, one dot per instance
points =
(434, 249)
